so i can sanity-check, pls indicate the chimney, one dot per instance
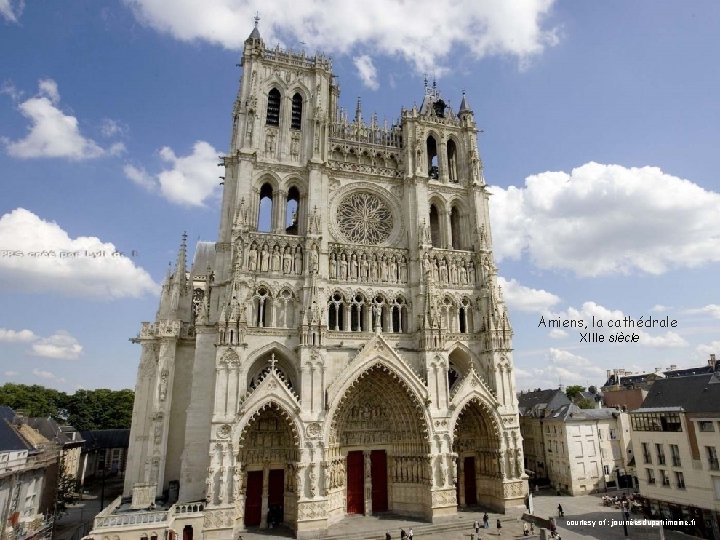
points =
(712, 360)
(673, 367)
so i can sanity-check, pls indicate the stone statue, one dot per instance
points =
(252, 258)
(287, 261)
(298, 260)
(264, 259)
(275, 259)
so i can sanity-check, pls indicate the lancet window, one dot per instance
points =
(272, 117)
(434, 226)
(297, 105)
(265, 211)
(432, 156)
(358, 314)
(452, 161)
(399, 315)
(292, 211)
(455, 228)
(465, 317)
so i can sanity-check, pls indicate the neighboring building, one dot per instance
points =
(676, 435)
(343, 348)
(575, 450)
(104, 451)
(69, 439)
(586, 450)
(628, 390)
(533, 407)
(28, 479)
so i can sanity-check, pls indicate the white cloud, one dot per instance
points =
(557, 333)
(193, 178)
(11, 10)
(707, 349)
(423, 32)
(659, 308)
(613, 321)
(366, 71)
(52, 133)
(9, 89)
(39, 256)
(711, 309)
(111, 128)
(524, 298)
(560, 367)
(43, 374)
(607, 219)
(11, 373)
(140, 176)
(60, 345)
(16, 336)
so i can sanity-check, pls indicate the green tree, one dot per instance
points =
(100, 409)
(34, 400)
(585, 403)
(574, 391)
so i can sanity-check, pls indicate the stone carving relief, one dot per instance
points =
(379, 265)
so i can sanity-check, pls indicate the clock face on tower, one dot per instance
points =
(364, 218)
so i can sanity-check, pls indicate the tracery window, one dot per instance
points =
(336, 312)
(399, 315)
(358, 313)
(364, 218)
(262, 307)
(273, 108)
(297, 104)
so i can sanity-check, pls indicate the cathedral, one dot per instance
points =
(343, 347)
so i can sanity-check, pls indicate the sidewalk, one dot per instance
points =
(78, 520)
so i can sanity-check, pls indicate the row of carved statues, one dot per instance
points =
(351, 265)
(453, 270)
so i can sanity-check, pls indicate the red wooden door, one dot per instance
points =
(276, 487)
(470, 486)
(378, 472)
(253, 498)
(355, 483)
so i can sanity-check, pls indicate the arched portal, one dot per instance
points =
(477, 445)
(268, 455)
(378, 449)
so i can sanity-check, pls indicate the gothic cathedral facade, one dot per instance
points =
(343, 348)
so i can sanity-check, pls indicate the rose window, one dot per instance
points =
(364, 218)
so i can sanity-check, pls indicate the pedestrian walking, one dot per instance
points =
(403, 534)
(410, 534)
(486, 521)
(532, 528)
(476, 526)
(560, 511)
(499, 525)
(526, 530)
(388, 536)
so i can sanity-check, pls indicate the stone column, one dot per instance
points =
(368, 483)
(265, 506)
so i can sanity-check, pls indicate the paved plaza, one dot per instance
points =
(459, 527)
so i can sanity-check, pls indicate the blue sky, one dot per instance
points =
(601, 122)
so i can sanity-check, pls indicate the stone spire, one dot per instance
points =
(181, 262)
(463, 104)
(358, 112)
(255, 34)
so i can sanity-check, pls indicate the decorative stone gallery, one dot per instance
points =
(343, 347)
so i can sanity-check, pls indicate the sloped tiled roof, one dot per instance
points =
(694, 393)
(541, 399)
(10, 439)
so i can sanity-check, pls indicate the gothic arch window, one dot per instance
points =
(452, 161)
(285, 316)
(272, 118)
(447, 314)
(453, 375)
(432, 157)
(399, 315)
(262, 307)
(336, 312)
(297, 106)
(434, 225)
(358, 313)
(265, 211)
(455, 228)
(465, 317)
(292, 211)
